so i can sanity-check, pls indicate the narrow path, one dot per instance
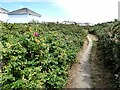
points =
(80, 74)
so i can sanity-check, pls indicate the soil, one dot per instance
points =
(89, 71)
(80, 73)
(101, 76)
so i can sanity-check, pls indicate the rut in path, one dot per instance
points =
(81, 73)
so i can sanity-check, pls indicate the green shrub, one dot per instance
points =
(38, 55)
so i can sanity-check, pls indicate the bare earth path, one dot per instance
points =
(80, 73)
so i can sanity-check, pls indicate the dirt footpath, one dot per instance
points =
(80, 73)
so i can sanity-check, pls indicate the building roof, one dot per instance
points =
(24, 11)
(4, 11)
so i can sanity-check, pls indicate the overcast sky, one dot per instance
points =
(93, 11)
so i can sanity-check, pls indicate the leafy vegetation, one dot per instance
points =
(38, 55)
(109, 42)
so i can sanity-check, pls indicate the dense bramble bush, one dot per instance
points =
(38, 55)
(109, 42)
